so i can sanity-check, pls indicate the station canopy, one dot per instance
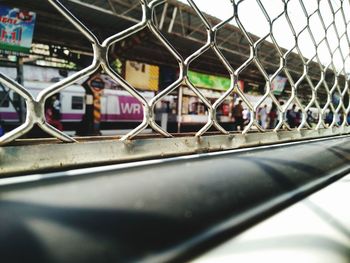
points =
(177, 21)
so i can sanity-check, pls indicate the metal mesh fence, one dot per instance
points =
(339, 24)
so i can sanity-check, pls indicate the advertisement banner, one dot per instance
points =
(206, 81)
(16, 30)
(278, 84)
(142, 76)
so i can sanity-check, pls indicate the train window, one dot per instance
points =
(4, 99)
(77, 102)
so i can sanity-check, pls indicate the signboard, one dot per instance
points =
(96, 83)
(206, 81)
(130, 108)
(278, 84)
(16, 30)
(126, 108)
(142, 76)
(100, 81)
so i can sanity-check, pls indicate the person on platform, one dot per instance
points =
(298, 118)
(238, 115)
(246, 116)
(310, 119)
(291, 116)
(2, 131)
(263, 116)
(272, 116)
(53, 113)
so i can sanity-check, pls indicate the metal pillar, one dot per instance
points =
(20, 80)
(179, 109)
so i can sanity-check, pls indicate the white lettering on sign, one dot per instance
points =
(7, 20)
(131, 108)
(137, 108)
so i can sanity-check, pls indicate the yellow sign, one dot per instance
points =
(142, 76)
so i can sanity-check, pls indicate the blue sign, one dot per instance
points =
(16, 30)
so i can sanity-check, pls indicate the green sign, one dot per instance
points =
(201, 80)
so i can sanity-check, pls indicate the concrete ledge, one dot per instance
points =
(38, 155)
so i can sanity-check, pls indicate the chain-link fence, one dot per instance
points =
(330, 110)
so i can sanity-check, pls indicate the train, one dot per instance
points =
(119, 110)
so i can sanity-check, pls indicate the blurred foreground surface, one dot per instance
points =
(315, 230)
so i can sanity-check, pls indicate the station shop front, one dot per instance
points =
(194, 113)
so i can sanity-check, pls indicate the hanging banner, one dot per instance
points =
(278, 84)
(16, 30)
(142, 76)
(206, 81)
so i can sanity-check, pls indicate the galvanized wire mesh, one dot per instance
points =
(340, 83)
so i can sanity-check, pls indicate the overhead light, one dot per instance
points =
(253, 84)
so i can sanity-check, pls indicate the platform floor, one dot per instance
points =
(315, 230)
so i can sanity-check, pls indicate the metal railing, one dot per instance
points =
(340, 83)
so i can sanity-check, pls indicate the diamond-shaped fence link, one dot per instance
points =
(35, 105)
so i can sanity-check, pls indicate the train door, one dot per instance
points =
(5, 109)
(104, 108)
(112, 106)
(9, 106)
